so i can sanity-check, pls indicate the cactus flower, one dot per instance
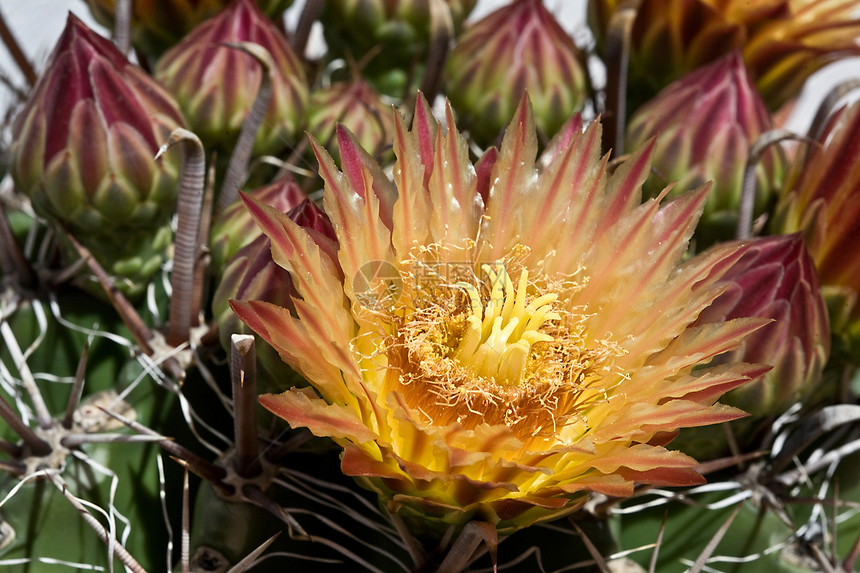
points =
(159, 24)
(821, 198)
(498, 359)
(516, 49)
(705, 124)
(216, 85)
(775, 278)
(356, 105)
(394, 34)
(783, 41)
(83, 152)
(233, 228)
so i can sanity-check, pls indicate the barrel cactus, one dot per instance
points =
(266, 306)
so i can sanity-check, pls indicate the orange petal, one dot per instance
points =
(302, 407)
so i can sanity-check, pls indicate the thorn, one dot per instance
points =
(441, 33)
(127, 313)
(37, 445)
(195, 463)
(186, 525)
(12, 259)
(244, 376)
(201, 265)
(617, 63)
(828, 105)
(121, 552)
(748, 188)
(821, 558)
(276, 451)
(592, 549)
(74, 440)
(186, 242)
(12, 449)
(14, 48)
(310, 14)
(237, 169)
(853, 554)
(652, 566)
(416, 552)
(467, 542)
(122, 26)
(43, 416)
(255, 495)
(13, 468)
(706, 553)
(77, 388)
(251, 559)
(727, 462)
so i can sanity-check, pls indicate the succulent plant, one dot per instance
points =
(775, 278)
(159, 24)
(821, 199)
(393, 34)
(233, 228)
(783, 41)
(84, 148)
(356, 105)
(252, 274)
(518, 48)
(706, 124)
(216, 84)
(442, 355)
(482, 383)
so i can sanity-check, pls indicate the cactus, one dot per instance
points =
(394, 346)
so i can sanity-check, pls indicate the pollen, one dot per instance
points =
(484, 348)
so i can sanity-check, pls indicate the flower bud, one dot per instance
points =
(775, 278)
(360, 108)
(159, 24)
(705, 124)
(821, 198)
(783, 42)
(396, 33)
(516, 49)
(84, 148)
(252, 274)
(234, 227)
(216, 85)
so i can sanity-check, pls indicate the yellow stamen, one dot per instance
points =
(498, 337)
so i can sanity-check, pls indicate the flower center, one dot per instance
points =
(498, 337)
(466, 344)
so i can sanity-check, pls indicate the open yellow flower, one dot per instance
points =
(495, 341)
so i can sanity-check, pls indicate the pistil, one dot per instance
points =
(499, 334)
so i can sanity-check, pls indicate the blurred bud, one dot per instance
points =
(783, 41)
(216, 85)
(84, 148)
(517, 49)
(775, 278)
(705, 124)
(393, 34)
(159, 24)
(252, 274)
(360, 108)
(821, 198)
(234, 227)
(317, 225)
